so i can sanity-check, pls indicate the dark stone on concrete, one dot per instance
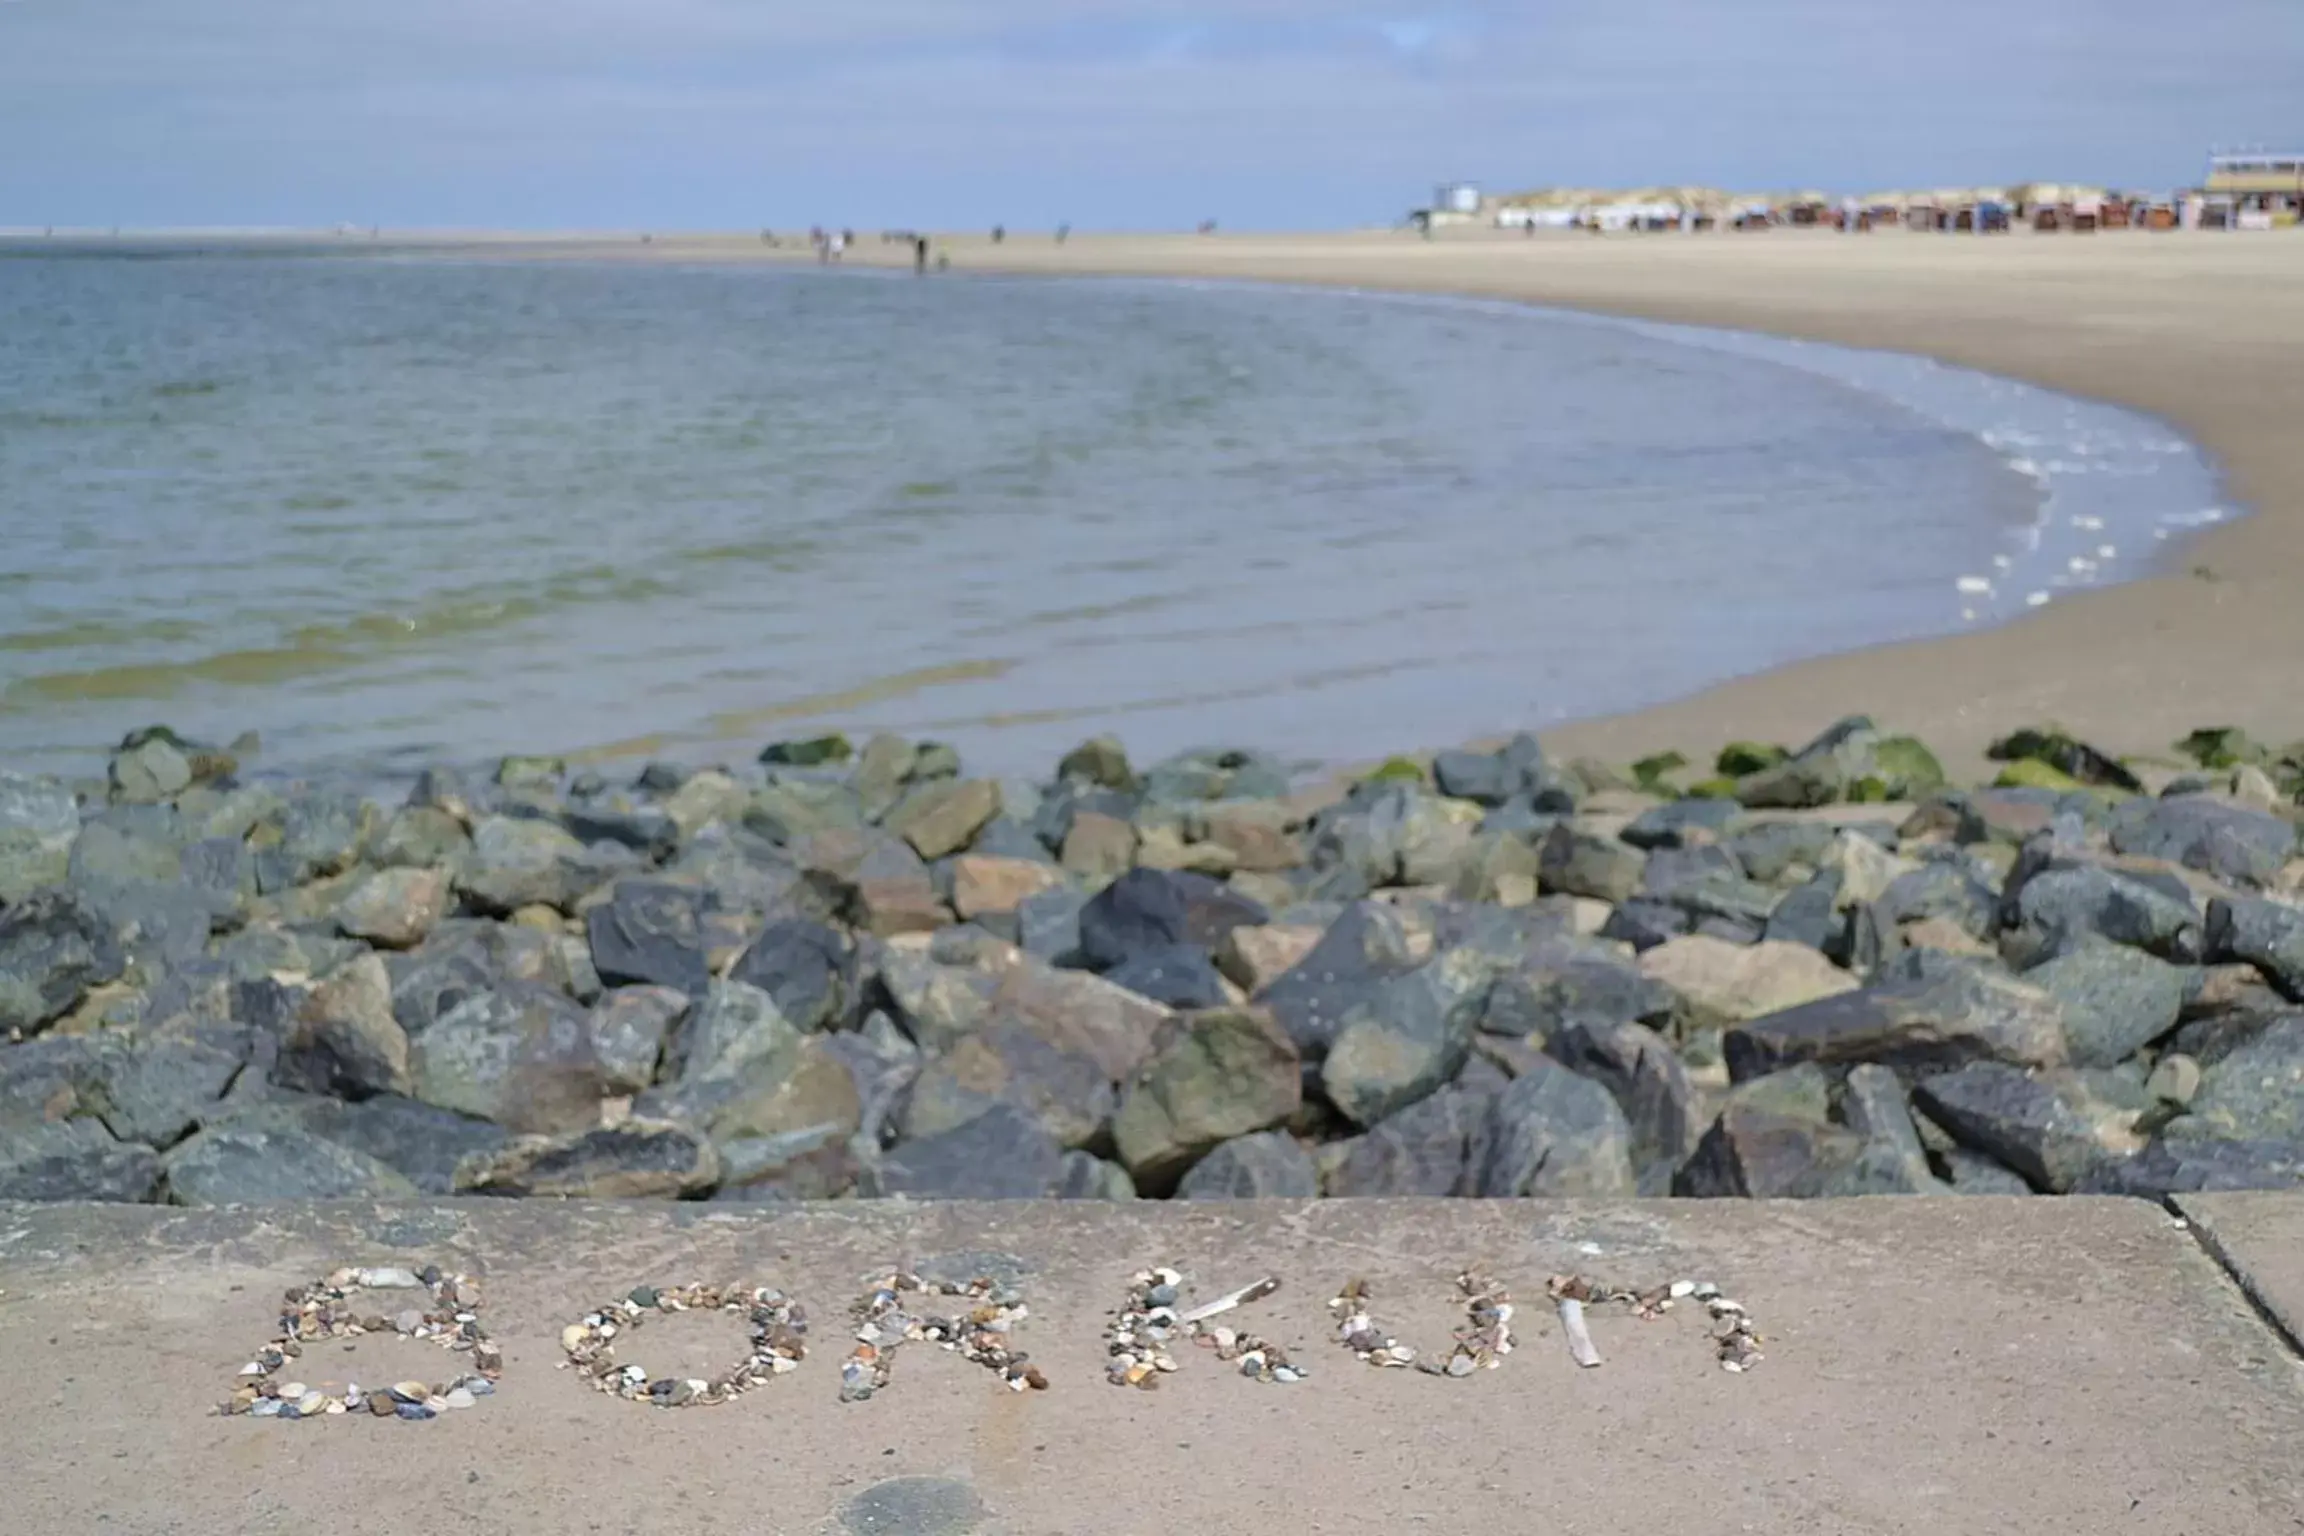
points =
(1873, 1105)
(1002, 1154)
(1266, 1166)
(2235, 844)
(1651, 1087)
(1151, 910)
(2116, 1000)
(913, 1506)
(74, 1160)
(650, 933)
(54, 946)
(2051, 1128)
(1181, 976)
(638, 1160)
(232, 1165)
(1556, 1134)
(1947, 1019)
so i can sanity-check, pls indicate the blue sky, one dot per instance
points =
(1108, 113)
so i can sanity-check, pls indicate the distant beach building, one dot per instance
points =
(1459, 197)
(2253, 189)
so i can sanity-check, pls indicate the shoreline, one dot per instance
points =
(2180, 327)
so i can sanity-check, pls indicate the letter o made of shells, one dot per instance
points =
(775, 1325)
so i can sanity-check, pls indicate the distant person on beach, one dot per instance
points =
(1063, 233)
(920, 254)
(999, 234)
(837, 245)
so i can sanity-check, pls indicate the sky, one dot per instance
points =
(1139, 114)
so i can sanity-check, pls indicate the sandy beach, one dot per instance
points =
(2196, 328)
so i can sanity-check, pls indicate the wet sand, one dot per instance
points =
(2200, 328)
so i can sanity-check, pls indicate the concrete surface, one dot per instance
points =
(2259, 1238)
(1957, 1365)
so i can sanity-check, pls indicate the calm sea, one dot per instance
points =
(385, 511)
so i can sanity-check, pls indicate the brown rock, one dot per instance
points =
(1256, 832)
(1099, 848)
(1164, 847)
(1253, 958)
(984, 886)
(902, 905)
(395, 908)
(943, 816)
(345, 1039)
(1725, 983)
(1080, 1013)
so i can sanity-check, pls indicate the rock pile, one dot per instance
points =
(840, 972)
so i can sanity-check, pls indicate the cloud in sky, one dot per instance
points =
(731, 113)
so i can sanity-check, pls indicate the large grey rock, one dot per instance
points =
(1771, 850)
(1006, 1063)
(2256, 1093)
(650, 933)
(1556, 1134)
(937, 1004)
(321, 834)
(1651, 1087)
(516, 862)
(1366, 946)
(790, 809)
(638, 1160)
(1084, 1014)
(1266, 1166)
(1573, 863)
(74, 1160)
(422, 837)
(1775, 1138)
(1218, 1075)
(151, 770)
(1155, 910)
(881, 1061)
(1422, 1150)
(1180, 977)
(1561, 984)
(2186, 1167)
(2051, 1127)
(157, 1088)
(229, 1165)
(2265, 934)
(422, 1142)
(1825, 770)
(2063, 904)
(808, 967)
(1002, 1154)
(1406, 1036)
(2231, 842)
(737, 1067)
(630, 1026)
(54, 946)
(1944, 1020)
(1686, 823)
(2115, 1000)
(519, 1054)
(345, 1040)
(1873, 1105)
(39, 818)
(1086, 1177)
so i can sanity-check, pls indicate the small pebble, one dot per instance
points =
(414, 1412)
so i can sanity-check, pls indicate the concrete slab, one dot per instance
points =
(1963, 1365)
(2259, 1238)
